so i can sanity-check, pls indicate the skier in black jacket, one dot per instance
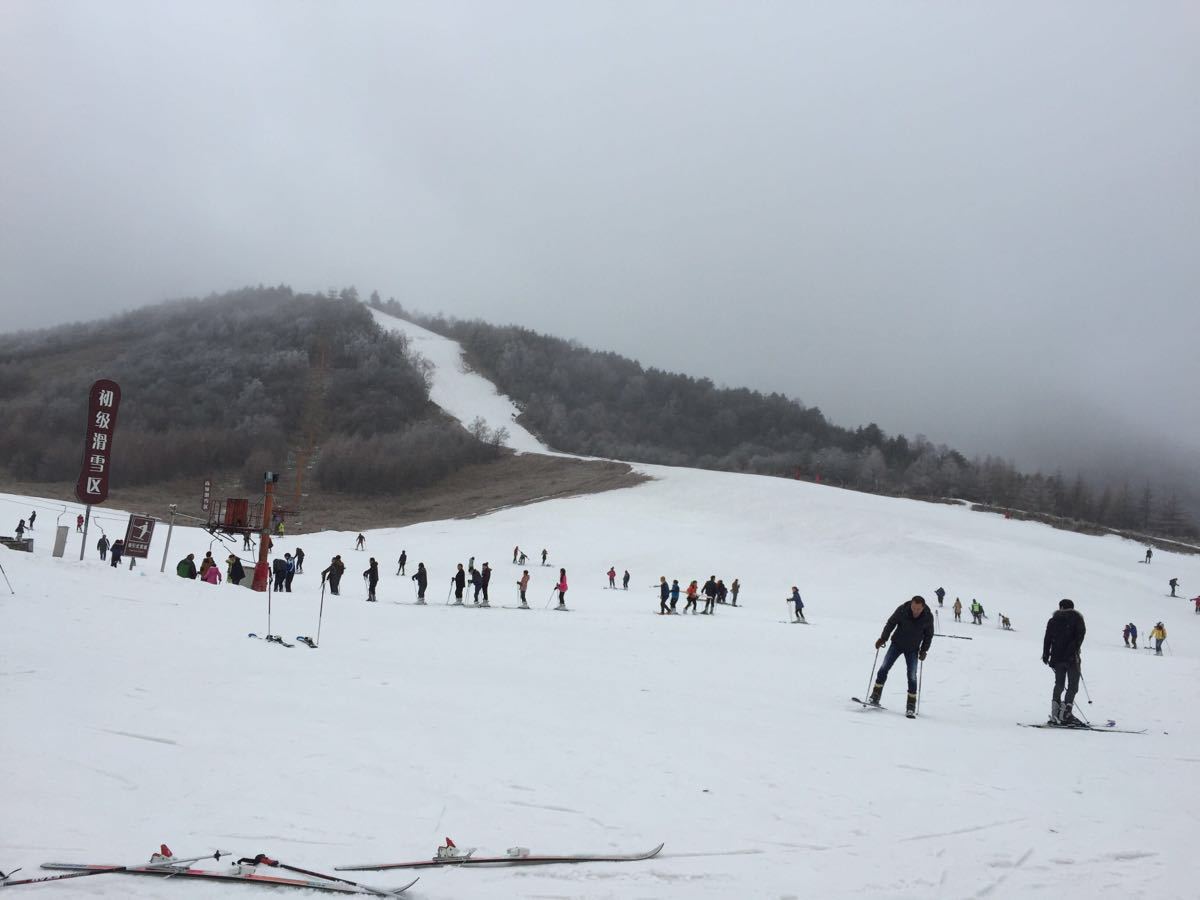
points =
(460, 583)
(911, 628)
(485, 578)
(372, 578)
(1060, 651)
(422, 579)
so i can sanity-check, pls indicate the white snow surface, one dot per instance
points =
(136, 710)
(464, 395)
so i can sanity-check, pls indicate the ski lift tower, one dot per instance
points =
(241, 516)
(262, 570)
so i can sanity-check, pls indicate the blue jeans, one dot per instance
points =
(910, 661)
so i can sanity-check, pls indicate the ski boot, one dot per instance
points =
(421, 602)
(1068, 719)
(1055, 713)
(524, 605)
(876, 693)
(911, 709)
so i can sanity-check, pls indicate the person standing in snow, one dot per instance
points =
(710, 595)
(186, 567)
(102, 546)
(236, 571)
(291, 572)
(485, 578)
(1125, 634)
(799, 604)
(1060, 651)
(1173, 583)
(21, 530)
(1149, 553)
(693, 593)
(207, 563)
(941, 593)
(360, 543)
(1196, 600)
(957, 610)
(976, 612)
(79, 523)
(372, 577)
(664, 592)
(674, 596)
(476, 584)
(612, 578)
(625, 581)
(911, 630)
(522, 559)
(1133, 633)
(299, 561)
(522, 587)
(212, 575)
(278, 573)
(32, 519)
(722, 591)
(516, 552)
(333, 574)
(403, 561)
(116, 552)
(544, 555)
(460, 583)
(561, 587)
(733, 590)
(1158, 634)
(422, 580)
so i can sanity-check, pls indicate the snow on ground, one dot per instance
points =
(463, 395)
(136, 710)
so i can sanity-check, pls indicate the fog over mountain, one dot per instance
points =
(977, 222)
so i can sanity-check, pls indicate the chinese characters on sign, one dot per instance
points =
(137, 536)
(206, 497)
(103, 400)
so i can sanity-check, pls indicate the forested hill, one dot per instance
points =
(597, 403)
(231, 383)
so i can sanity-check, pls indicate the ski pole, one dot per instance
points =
(548, 602)
(6, 581)
(1086, 692)
(264, 860)
(321, 613)
(920, 681)
(871, 679)
(448, 590)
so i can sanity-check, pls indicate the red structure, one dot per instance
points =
(262, 571)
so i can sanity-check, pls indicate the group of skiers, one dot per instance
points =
(714, 592)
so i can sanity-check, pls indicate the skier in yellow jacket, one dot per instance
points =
(1158, 634)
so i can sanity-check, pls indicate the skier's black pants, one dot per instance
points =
(1066, 673)
(279, 583)
(910, 663)
(662, 606)
(287, 581)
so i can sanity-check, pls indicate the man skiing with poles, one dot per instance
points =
(911, 630)
(1060, 651)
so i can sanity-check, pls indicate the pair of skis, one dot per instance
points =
(450, 855)
(867, 704)
(165, 865)
(1110, 727)
(272, 639)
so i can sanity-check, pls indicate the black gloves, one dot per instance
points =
(879, 643)
(921, 655)
(1046, 660)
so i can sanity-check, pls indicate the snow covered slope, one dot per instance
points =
(464, 395)
(136, 711)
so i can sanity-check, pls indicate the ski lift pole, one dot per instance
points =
(87, 519)
(167, 546)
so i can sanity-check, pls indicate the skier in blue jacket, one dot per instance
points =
(795, 598)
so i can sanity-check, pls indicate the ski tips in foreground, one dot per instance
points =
(1111, 727)
(451, 855)
(164, 865)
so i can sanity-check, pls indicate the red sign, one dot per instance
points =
(137, 536)
(206, 497)
(103, 400)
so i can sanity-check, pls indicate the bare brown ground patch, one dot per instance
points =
(512, 480)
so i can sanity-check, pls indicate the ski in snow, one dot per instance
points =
(306, 640)
(1108, 728)
(158, 860)
(867, 705)
(235, 874)
(272, 639)
(518, 856)
(957, 637)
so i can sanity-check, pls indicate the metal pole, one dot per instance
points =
(87, 519)
(167, 548)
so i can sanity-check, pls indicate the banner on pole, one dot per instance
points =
(206, 495)
(103, 400)
(137, 536)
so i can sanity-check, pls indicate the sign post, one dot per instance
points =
(92, 486)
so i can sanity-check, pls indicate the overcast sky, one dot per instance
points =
(978, 221)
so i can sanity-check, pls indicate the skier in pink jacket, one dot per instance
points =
(561, 587)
